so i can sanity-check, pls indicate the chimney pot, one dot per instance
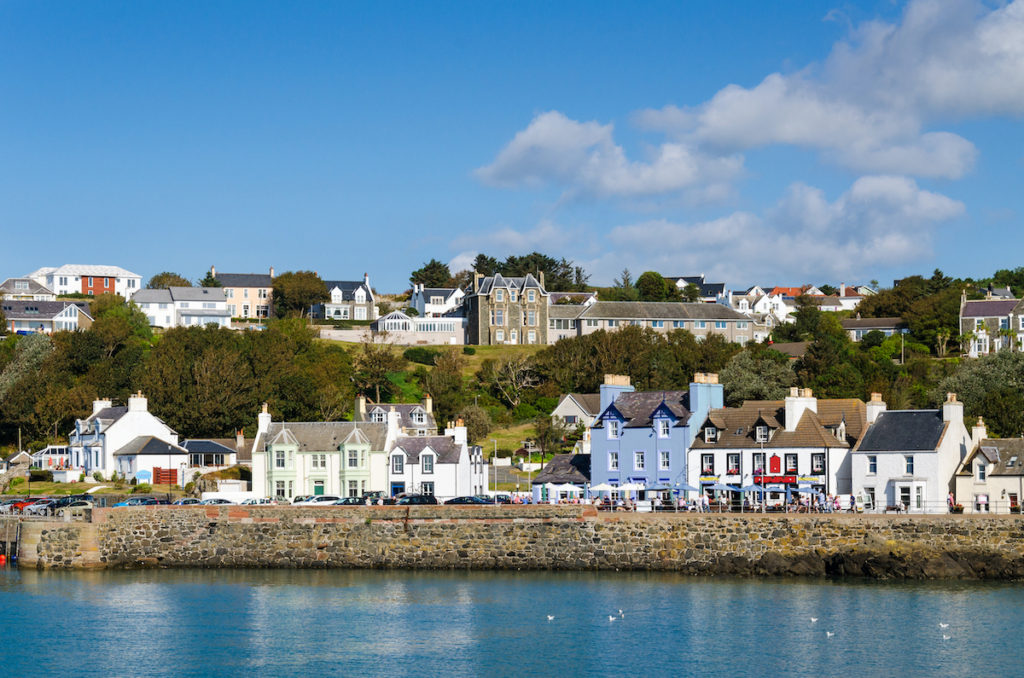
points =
(876, 397)
(265, 410)
(950, 397)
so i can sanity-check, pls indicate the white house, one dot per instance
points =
(801, 442)
(907, 458)
(575, 409)
(96, 441)
(147, 459)
(434, 330)
(88, 279)
(435, 301)
(442, 466)
(25, 289)
(44, 317)
(184, 306)
(349, 300)
(990, 479)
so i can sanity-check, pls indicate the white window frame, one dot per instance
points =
(664, 428)
(427, 464)
(613, 461)
(664, 460)
(908, 464)
(872, 464)
(398, 464)
(639, 462)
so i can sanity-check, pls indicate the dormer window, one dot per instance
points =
(664, 428)
(499, 295)
(512, 296)
(427, 463)
(531, 296)
(613, 429)
(419, 417)
(377, 416)
(710, 434)
(762, 434)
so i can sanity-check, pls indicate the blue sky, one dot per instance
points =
(811, 142)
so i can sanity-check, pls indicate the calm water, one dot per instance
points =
(310, 623)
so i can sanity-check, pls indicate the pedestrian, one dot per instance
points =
(853, 504)
(950, 501)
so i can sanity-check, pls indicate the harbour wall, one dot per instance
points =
(532, 537)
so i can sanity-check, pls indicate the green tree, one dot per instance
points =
(432, 274)
(623, 288)
(444, 383)
(828, 290)
(485, 265)
(509, 377)
(550, 435)
(651, 286)
(167, 279)
(295, 292)
(209, 280)
(477, 422)
(989, 387)
(373, 361)
(690, 293)
(756, 373)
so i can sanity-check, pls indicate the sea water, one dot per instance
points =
(397, 623)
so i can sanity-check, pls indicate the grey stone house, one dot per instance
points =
(990, 325)
(504, 310)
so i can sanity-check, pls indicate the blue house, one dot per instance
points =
(643, 437)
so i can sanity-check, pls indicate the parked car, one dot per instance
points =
(19, 506)
(299, 498)
(153, 501)
(258, 501)
(350, 501)
(131, 501)
(468, 500)
(321, 500)
(216, 501)
(185, 501)
(75, 508)
(415, 499)
(43, 507)
(70, 499)
(378, 499)
(6, 506)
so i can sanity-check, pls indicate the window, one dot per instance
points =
(909, 464)
(428, 463)
(613, 429)
(279, 459)
(596, 323)
(742, 325)
(512, 296)
(531, 337)
(818, 462)
(279, 489)
(762, 434)
(570, 418)
(791, 466)
(678, 324)
(664, 428)
(353, 459)
(531, 296)
(319, 461)
(905, 495)
(638, 460)
(980, 469)
(759, 462)
(499, 295)
(732, 464)
(613, 461)
(245, 309)
(531, 318)
(499, 317)
(377, 417)
(499, 335)
(360, 313)
(613, 323)
(1004, 323)
(720, 324)
(427, 489)
(710, 434)
(664, 460)
(419, 417)
(398, 464)
(513, 336)
(707, 464)
(353, 488)
(872, 464)
(436, 301)
(657, 323)
(700, 324)
(229, 293)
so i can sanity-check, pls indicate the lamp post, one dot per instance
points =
(494, 457)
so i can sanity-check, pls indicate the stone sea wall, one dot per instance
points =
(533, 537)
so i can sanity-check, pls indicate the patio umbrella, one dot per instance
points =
(683, 487)
(601, 487)
(722, 487)
(658, 488)
(568, 487)
(752, 488)
(631, 487)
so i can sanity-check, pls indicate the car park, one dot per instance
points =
(258, 501)
(350, 501)
(299, 498)
(19, 506)
(70, 499)
(6, 506)
(43, 507)
(153, 501)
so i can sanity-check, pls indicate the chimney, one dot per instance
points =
(263, 420)
(477, 277)
(428, 403)
(613, 385)
(875, 407)
(842, 289)
(98, 405)
(952, 409)
(360, 407)
(457, 432)
(271, 271)
(213, 272)
(394, 419)
(540, 279)
(366, 280)
(979, 433)
(240, 440)
(799, 400)
(706, 394)
(137, 403)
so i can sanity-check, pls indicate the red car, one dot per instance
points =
(17, 506)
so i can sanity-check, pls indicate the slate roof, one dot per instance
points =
(511, 283)
(171, 294)
(1000, 452)
(565, 468)
(348, 288)
(737, 425)
(637, 407)
(245, 279)
(904, 430)
(565, 311)
(34, 287)
(109, 414)
(873, 323)
(794, 349)
(659, 310)
(706, 289)
(243, 453)
(148, 445)
(445, 292)
(323, 436)
(987, 308)
(403, 409)
(448, 451)
(208, 446)
(577, 297)
(590, 402)
(98, 271)
(23, 309)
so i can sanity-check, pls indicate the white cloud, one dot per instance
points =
(583, 158)
(868, 105)
(463, 261)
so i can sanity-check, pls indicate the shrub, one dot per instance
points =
(38, 475)
(190, 487)
(546, 405)
(81, 477)
(420, 354)
(98, 477)
(141, 488)
(17, 481)
(468, 350)
(524, 412)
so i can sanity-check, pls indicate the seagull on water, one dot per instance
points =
(622, 615)
(943, 626)
(612, 617)
(829, 634)
(814, 619)
(945, 637)
(551, 617)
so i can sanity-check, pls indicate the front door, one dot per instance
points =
(318, 488)
(397, 489)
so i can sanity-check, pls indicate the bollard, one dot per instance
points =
(3, 560)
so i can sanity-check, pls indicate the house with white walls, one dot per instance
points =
(575, 410)
(990, 479)
(88, 279)
(184, 306)
(125, 439)
(906, 459)
(25, 289)
(431, 302)
(349, 300)
(441, 466)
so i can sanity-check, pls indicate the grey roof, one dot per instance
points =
(706, 289)
(348, 288)
(324, 436)
(207, 446)
(439, 291)
(34, 287)
(987, 308)
(590, 402)
(565, 468)
(151, 296)
(579, 297)
(637, 407)
(898, 430)
(109, 414)
(23, 309)
(148, 445)
(405, 410)
(821, 428)
(511, 283)
(245, 279)
(565, 311)
(448, 451)
(1001, 452)
(170, 294)
(660, 310)
(873, 323)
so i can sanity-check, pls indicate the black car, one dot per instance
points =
(476, 501)
(415, 499)
(153, 501)
(350, 501)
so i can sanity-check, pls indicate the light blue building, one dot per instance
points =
(643, 437)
